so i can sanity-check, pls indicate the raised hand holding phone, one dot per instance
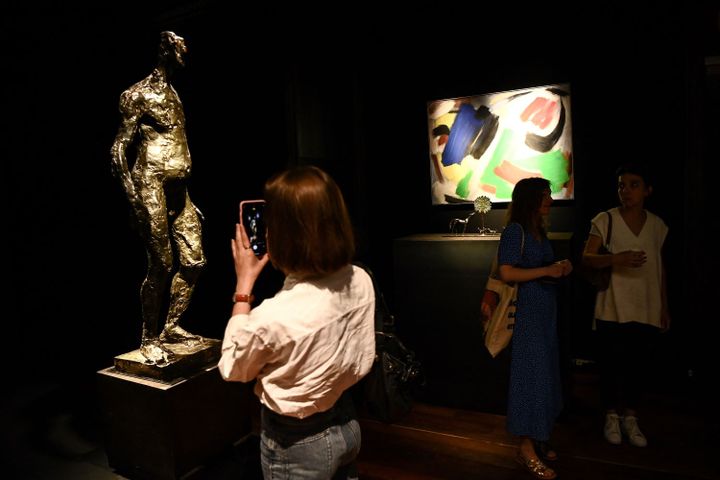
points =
(247, 267)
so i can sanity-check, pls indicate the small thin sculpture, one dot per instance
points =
(461, 221)
(156, 186)
(482, 206)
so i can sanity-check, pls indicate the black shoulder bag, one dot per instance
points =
(388, 390)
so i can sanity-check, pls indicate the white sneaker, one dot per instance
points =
(632, 432)
(612, 429)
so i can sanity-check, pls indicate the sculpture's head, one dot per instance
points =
(172, 49)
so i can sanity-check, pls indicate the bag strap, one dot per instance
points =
(384, 320)
(609, 229)
(494, 267)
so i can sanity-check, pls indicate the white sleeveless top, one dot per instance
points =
(634, 294)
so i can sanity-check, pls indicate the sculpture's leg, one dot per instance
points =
(153, 227)
(187, 236)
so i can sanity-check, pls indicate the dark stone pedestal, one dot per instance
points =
(157, 430)
(439, 284)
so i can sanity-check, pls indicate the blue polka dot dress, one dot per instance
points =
(535, 392)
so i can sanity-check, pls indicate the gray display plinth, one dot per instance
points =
(158, 430)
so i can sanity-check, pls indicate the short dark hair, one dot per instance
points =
(638, 169)
(309, 229)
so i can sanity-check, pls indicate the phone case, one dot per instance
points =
(252, 219)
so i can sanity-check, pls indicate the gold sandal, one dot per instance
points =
(544, 450)
(536, 467)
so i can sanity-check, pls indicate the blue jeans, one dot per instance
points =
(322, 446)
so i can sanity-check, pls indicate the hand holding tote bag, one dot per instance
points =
(498, 309)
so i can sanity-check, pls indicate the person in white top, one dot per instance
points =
(634, 308)
(310, 342)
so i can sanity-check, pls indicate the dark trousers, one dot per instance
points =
(624, 351)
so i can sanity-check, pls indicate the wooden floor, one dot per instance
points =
(432, 442)
(440, 443)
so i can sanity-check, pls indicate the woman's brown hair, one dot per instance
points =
(527, 197)
(309, 229)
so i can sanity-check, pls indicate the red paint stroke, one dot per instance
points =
(438, 171)
(488, 188)
(570, 185)
(536, 106)
(511, 173)
(542, 119)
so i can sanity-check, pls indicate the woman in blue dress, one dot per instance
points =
(526, 256)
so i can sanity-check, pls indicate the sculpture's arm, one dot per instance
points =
(130, 111)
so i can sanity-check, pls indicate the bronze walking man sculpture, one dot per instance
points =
(156, 186)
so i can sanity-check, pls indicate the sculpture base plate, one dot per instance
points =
(188, 358)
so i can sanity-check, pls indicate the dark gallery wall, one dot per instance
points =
(348, 96)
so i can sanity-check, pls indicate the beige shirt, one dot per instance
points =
(307, 344)
(634, 294)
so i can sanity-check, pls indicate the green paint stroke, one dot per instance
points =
(552, 166)
(463, 187)
(502, 188)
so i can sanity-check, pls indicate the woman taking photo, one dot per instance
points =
(310, 342)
